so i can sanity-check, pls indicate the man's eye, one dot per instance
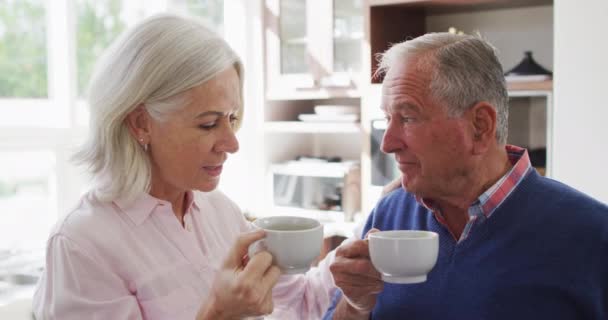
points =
(408, 119)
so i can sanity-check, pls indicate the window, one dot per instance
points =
(23, 60)
(27, 199)
(47, 52)
(98, 22)
(210, 11)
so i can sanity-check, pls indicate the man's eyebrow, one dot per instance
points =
(401, 106)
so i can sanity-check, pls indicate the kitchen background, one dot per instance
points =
(310, 137)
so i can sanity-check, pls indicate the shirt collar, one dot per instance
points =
(490, 199)
(144, 205)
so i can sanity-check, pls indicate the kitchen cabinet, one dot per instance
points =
(313, 48)
(312, 54)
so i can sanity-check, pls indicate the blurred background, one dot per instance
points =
(309, 144)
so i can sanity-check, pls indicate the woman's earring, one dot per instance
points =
(145, 145)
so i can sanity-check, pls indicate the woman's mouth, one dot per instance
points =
(213, 171)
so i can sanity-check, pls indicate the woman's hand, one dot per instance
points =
(241, 290)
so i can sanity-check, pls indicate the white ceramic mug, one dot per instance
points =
(294, 242)
(404, 256)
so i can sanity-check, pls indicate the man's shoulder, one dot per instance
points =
(556, 193)
(563, 205)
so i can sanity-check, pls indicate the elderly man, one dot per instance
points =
(512, 244)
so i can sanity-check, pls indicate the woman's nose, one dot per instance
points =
(228, 142)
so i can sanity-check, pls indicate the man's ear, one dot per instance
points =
(483, 120)
(138, 122)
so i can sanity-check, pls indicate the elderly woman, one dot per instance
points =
(153, 239)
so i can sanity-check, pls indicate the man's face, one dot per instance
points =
(432, 150)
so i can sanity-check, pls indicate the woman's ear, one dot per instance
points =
(138, 122)
(483, 117)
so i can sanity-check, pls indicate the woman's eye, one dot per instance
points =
(207, 126)
(233, 120)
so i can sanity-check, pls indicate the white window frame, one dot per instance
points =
(58, 122)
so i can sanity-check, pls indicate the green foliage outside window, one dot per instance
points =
(99, 23)
(23, 54)
(23, 43)
(211, 11)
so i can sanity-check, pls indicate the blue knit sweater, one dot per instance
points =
(543, 254)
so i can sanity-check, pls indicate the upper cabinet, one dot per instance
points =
(512, 26)
(313, 48)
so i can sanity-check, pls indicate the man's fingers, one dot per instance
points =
(372, 230)
(362, 268)
(239, 249)
(358, 248)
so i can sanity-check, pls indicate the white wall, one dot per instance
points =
(581, 95)
(242, 178)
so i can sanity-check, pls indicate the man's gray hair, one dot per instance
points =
(152, 64)
(465, 70)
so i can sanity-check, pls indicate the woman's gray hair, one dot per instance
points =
(152, 64)
(465, 70)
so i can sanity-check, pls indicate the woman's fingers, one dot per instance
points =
(271, 277)
(258, 264)
(239, 250)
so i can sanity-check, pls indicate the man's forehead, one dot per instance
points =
(398, 105)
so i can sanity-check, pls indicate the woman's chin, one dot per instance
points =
(207, 186)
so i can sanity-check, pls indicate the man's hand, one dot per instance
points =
(359, 281)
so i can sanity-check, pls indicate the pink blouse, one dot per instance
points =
(118, 261)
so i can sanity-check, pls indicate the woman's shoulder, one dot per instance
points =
(89, 217)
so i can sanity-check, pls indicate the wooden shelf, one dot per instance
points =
(313, 169)
(450, 6)
(546, 85)
(311, 127)
(313, 93)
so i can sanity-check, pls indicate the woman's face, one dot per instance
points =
(189, 147)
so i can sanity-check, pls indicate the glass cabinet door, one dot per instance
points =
(292, 29)
(347, 35)
(313, 46)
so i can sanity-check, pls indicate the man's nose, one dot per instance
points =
(392, 140)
